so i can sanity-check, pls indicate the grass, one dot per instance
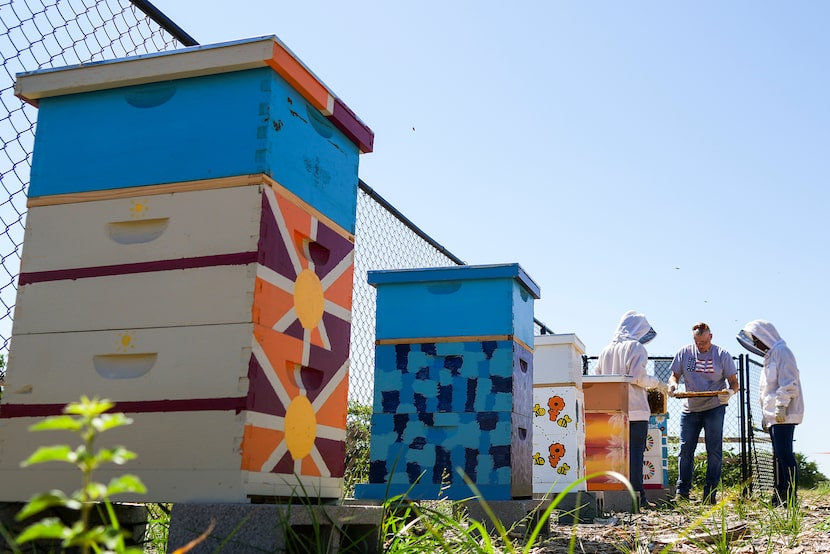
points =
(418, 527)
(443, 526)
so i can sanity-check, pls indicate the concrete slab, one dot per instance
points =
(518, 516)
(578, 507)
(239, 528)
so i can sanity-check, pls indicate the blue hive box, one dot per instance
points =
(421, 455)
(489, 376)
(463, 302)
(241, 108)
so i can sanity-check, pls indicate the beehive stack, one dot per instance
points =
(558, 413)
(189, 255)
(453, 383)
(656, 457)
(606, 429)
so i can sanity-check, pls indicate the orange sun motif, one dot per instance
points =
(298, 371)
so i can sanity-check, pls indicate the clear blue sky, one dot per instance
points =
(668, 157)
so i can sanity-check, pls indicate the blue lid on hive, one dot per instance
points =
(197, 61)
(484, 302)
(194, 119)
(425, 274)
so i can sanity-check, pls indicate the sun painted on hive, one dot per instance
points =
(125, 342)
(298, 371)
(138, 209)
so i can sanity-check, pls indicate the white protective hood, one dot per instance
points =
(634, 326)
(762, 330)
(626, 355)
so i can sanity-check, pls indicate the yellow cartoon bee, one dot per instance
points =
(538, 410)
(563, 421)
(563, 469)
(538, 459)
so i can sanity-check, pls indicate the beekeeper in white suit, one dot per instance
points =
(782, 402)
(626, 355)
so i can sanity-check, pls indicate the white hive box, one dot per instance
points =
(656, 460)
(655, 463)
(209, 361)
(175, 298)
(177, 455)
(226, 340)
(144, 228)
(557, 359)
(558, 438)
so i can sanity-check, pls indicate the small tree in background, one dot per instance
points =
(358, 434)
(809, 476)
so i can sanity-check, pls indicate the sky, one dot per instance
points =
(666, 157)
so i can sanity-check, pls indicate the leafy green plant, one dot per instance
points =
(358, 435)
(88, 419)
(809, 475)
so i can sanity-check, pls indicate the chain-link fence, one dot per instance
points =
(384, 239)
(39, 34)
(759, 444)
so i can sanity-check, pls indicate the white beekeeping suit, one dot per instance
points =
(780, 383)
(626, 355)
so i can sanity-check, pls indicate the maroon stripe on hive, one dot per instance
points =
(8, 411)
(346, 120)
(238, 258)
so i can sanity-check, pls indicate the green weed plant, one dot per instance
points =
(88, 419)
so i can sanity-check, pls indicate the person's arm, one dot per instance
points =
(731, 378)
(730, 371)
(676, 372)
(636, 369)
(734, 386)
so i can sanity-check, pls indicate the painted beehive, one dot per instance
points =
(558, 438)
(606, 448)
(189, 255)
(453, 383)
(232, 352)
(656, 460)
(557, 359)
(224, 110)
(606, 429)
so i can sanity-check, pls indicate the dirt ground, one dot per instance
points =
(734, 526)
